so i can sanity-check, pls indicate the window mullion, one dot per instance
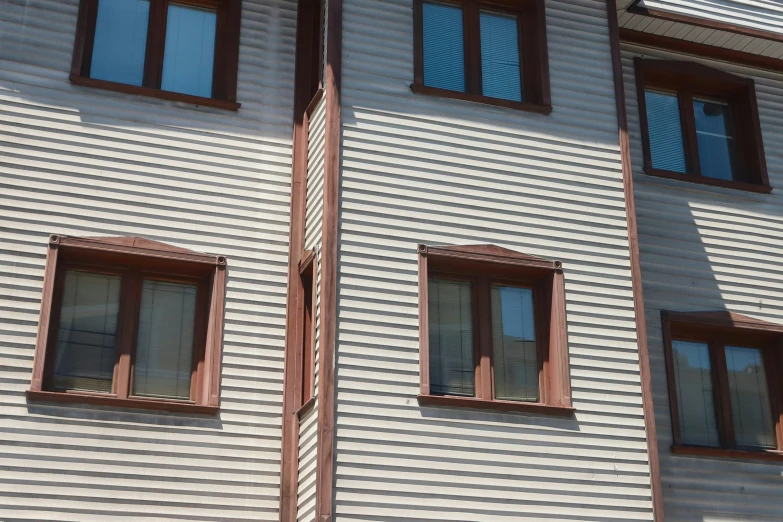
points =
(690, 140)
(130, 303)
(484, 388)
(472, 31)
(722, 396)
(156, 42)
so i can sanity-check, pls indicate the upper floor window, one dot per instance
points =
(185, 49)
(130, 322)
(492, 52)
(492, 325)
(700, 124)
(723, 372)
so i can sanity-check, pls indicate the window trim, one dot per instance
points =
(719, 329)
(133, 257)
(546, 277)
(225, 66)
(692, 79)
(533, 53)
(305, 356)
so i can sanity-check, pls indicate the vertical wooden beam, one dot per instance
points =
(636, 271)
(326, 382)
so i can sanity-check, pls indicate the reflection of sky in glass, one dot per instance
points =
(714, 135)
(740, 359)
(697, 354)
(120, 41)
(694, 393)
(517, 312)
(188, 60)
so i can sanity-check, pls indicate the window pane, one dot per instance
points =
(716, 140)
(120, 41)
(444, 58)
(87, 339)
(665, 130)
(753, 426)
(693, 374)
(164, 350)
(452, 367)
(190, 50)
(500, 75)
(514, 344)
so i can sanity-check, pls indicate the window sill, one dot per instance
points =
(700, 451)
(497, 405)
(477, 98)
(306, 408)
(153, 93)
(108, 400)
(736, 185)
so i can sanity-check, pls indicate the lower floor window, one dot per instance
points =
(723, 384)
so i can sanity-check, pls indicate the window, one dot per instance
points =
(130, 322)
(305, 361)
(492, 330)
(492, 52)
(723, 371)
(701, 125)
(185, 50)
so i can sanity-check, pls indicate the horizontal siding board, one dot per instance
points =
(418, 169)
(89, 162)
(708, 248)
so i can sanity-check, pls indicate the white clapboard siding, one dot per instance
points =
(314, 210)
(705, 248)
(420, 169)
(87, 162)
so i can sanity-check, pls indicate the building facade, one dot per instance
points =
(391, 260)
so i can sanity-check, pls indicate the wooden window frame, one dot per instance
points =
(134, 258)
(304, 396)
(533, 53)
(719, 329)
(688, 80)
(226, 61)
(484, 265)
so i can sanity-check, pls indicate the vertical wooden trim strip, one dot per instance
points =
(49, 277)
(326, 383)
(560, 382)
(418, 42)
(636, 272)
(214, 348)
(674, 405)
(424, 323)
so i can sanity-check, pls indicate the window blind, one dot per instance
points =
(500, 67)
(452, 367)
(120, 41)
(514, 344)
(444, 56)
(693, 373)
(87, 337)
(750, 407)
(188, 59)
(715, 139)
(665, 131)
(164, 348)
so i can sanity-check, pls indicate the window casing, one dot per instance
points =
(492, 330)
(700, 125)
(183, 50)
(305, 357)
(131, 323)
(492, 52)
(723, 371)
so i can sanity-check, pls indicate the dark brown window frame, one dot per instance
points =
(226, 64)
(132, 258)
(719, 329)
(690, 79)
(475, 263)
(533, 53)
(305, 358)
